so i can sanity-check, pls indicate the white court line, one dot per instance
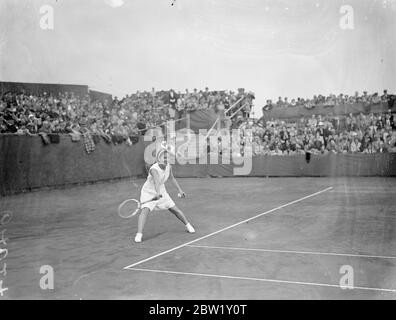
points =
(227, 228)
(262, 280)
(296, 252)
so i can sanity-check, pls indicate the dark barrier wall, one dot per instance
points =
(100, 96)
(40, 88)
(26, 163)
(343, 109)
(297, 166)
(198, 119)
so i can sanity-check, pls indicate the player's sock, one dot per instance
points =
(138, 237)
(190, 228)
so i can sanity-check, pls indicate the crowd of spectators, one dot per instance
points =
(331, 100)
(180, 103)
(23, 113)
(372, 133)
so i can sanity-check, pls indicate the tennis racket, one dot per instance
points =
(131, 207)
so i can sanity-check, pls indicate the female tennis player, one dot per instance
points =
(155, 186)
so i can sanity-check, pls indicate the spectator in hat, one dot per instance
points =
(384, 97)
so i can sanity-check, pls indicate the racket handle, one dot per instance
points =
(153, 199)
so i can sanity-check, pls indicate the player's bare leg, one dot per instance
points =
(142, 221)
(180, 215)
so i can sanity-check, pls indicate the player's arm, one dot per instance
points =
(176, 183)
(156, 179)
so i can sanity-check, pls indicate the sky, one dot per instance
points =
(293, 48)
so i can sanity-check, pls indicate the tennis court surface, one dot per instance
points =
(257, 238)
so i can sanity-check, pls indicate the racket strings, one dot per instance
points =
(128, 208)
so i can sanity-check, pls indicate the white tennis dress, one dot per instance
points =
(148, 190)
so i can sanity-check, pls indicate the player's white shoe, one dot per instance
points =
(190, 228)
(138, 237)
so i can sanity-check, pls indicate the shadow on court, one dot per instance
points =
(296, 251)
